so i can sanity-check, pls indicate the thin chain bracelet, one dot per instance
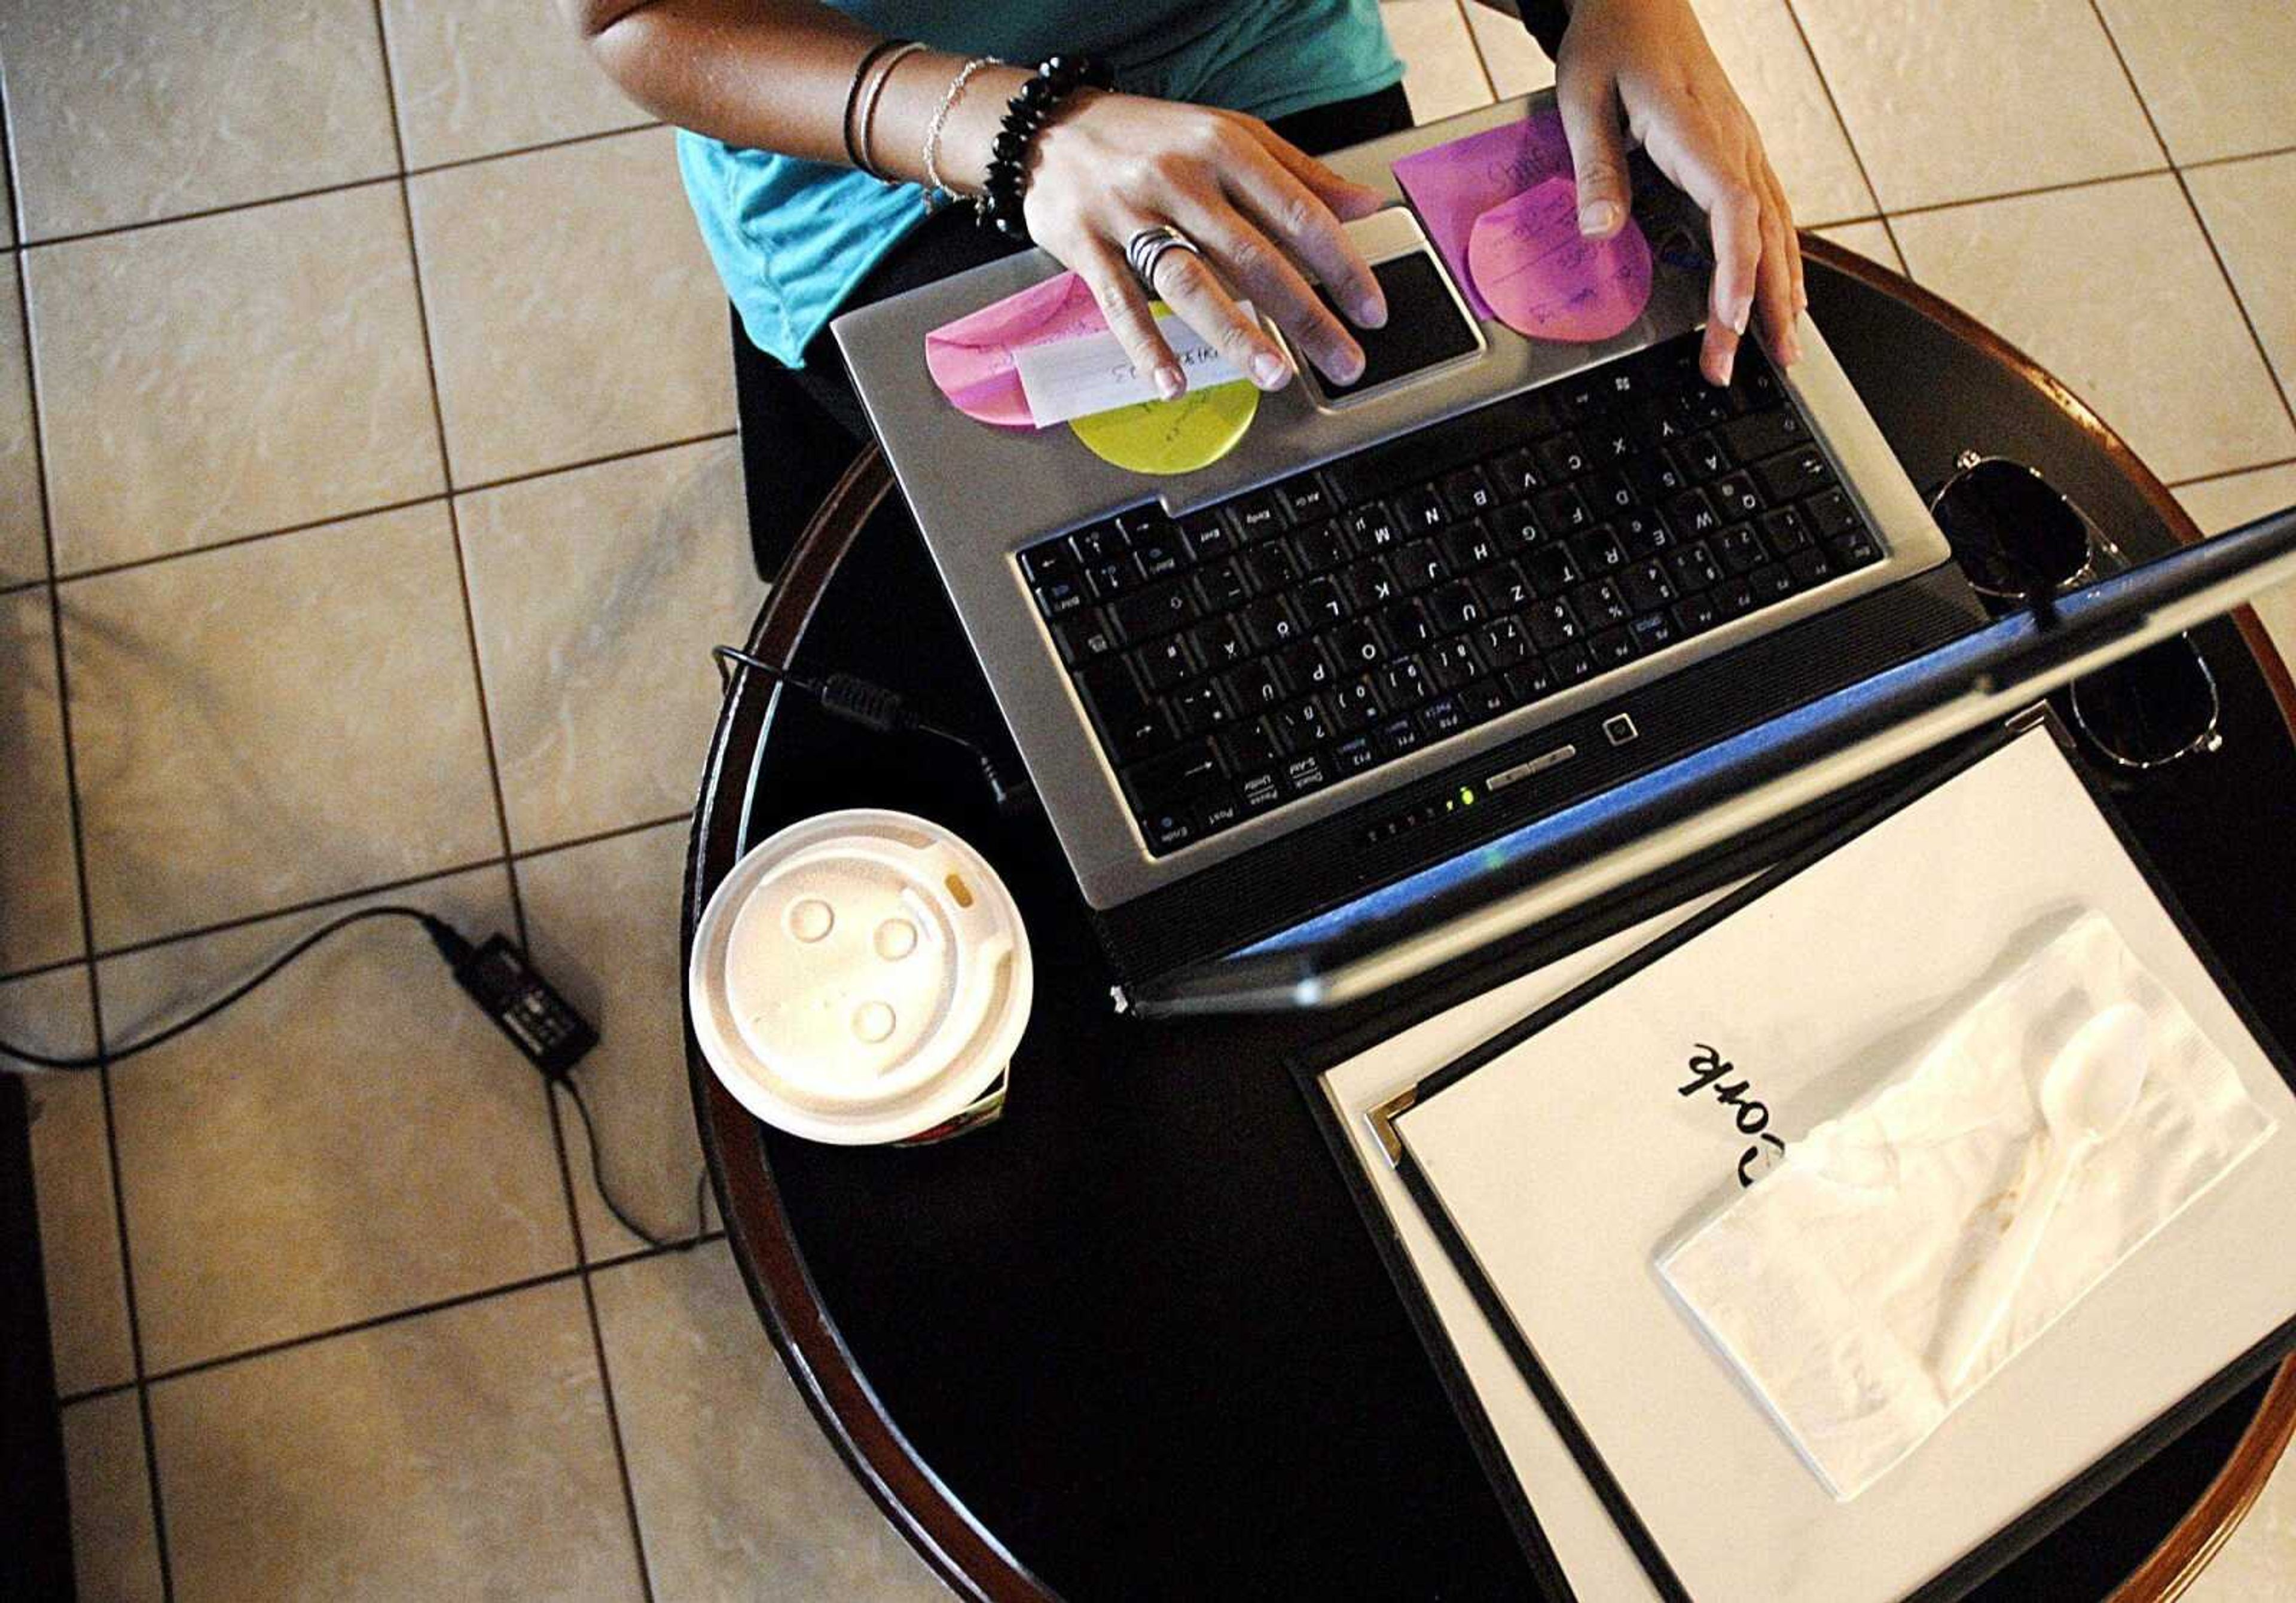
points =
(936, 191)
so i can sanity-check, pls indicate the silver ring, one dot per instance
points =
(1146, 248)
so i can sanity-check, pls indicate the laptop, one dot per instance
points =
(1493, 585)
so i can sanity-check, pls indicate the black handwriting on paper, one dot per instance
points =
(1708, 1068)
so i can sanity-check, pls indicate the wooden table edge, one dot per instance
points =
(958, 1548)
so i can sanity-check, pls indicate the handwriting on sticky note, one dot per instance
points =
(1452, 184)
(972, 359)
(1077, 377)
(1164, 439)
(1542, 277)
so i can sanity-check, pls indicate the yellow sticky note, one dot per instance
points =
(1172, 437)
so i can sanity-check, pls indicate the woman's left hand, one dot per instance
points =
(1641, 70)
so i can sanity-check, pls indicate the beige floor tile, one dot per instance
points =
(71, 1170)
(274, 723)
(230, 374)
(464, 1453)
(2250, 208)
(605, 331)
(1949, 100)
(481, 77)
(1868, 239)
(352, 1139)
(40, 882)
(24, 542)
(124, 111)
(2223, 504)
(598, 593)
(1442, 74)
(2218, 76)
(1512, 58)
(2148, 334)
(739, 1493)
(115, 1552)
(603, 922)
(1764, 54)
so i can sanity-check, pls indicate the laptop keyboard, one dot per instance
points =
(1258, 651)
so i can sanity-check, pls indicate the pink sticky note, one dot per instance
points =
(1543, 278)
(972, 359)
(1452, 184)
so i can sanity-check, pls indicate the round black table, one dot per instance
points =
(1133, 1339)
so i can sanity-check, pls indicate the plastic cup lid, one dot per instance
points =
(860, 977)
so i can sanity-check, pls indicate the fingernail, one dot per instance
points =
(1346, 366)
(1598, 218)
(1739, 315)
(1171, 383)
(1729, 364)
(1370, 313)
(1789, 348)
(1269, 370)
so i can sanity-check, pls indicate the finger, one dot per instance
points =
(1598, 154)
(1190, 288)
(1267, 277)
(1298, 218)
(1347, 198)
(1103, 267)
(1793, 237)
(1773, 282)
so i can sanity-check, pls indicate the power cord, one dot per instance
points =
(523, 1005)
(873, 707)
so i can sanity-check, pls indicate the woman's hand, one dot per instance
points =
(1649, 60)
(1111, 165)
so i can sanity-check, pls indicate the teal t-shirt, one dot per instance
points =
(792, 237)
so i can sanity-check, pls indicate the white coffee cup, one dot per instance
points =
(863, 977)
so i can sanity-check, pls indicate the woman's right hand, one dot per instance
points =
(1259, 210)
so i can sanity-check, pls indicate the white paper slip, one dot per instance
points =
(1076, 377)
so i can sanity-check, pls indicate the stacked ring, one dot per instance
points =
(1145, 248)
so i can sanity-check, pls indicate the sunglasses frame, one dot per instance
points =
(2102, 556)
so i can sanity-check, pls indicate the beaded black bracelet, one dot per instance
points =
(1031, 107)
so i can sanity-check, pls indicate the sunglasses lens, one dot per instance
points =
(2149, 708)
(2012, 534)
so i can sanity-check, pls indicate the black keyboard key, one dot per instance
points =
(1130, 725)
(1600, 550)
(1764, 433)
(1255, 516)
(1354, 754)
(1831, 513)
(1453, 663)
(1733, 597)
(1304, 771)
(1208, 536)
(1517, 473)
(1420, 511)
(1400, 735)
(1504, 644)
(1169, 829)
(1356, 645)
(1526, 682)
(1692, 515)
(1456, 607)
(1247, 746)
(1792, 474)
(1562, 511)
(1100, 543)
(1468, 546)
(1222, 586)
(1553, 568)
(1259, 686)
(1652, 632)
(1552, 624)
(1599, 604)
(1218, 814)
(1783, 531)
(1485, 698)
(1110, 579)
(1083, 638)
(1421, 565)
(1050, 560)
(1696, 613)
(1505, 589)
(1152, 610)
(1642, 531)
(1705, 458)
(1373, 527)
(1467, 493)
(1356, 705)
(1368, 584)
(1272, 565)
(1165, 662)
(1305, 498)
(1200, 710)
(1404, 682)
(1261, 788)
(1693, 567)
(1741, 548)
(1409, 626)
(1058, 598)
(1441, 717)
(1611, 648)
(1657, 476)
(1178, 780)
(1649, 587)
(1855, 549)
(1219, 644)
(1162, 552)
(1300, 726)
(1808, 567)
(1608, 494)
(1571, 665)
(1771, 583)
(1307, 664)
(1564, 457)
(1143, 523)
(1733, 494)
(1321, 546)
(1322, 603)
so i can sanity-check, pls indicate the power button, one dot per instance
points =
(1620, 729)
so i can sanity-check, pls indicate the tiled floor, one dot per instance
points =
(367, 499)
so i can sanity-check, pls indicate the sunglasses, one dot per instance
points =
(2019, 542)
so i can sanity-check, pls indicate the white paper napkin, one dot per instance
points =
(1832, 1283)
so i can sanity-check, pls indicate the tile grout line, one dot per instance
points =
(1849, 140)
(23, 311)
(2280, 386)
(354, 514)
(2223, 473)
(395, 1316)
(1475, 43)
(502, 809)
(399, 172)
